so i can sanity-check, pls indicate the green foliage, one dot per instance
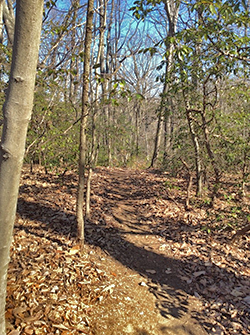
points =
(121, 142)
(141, 8)
(50, 142)
(206, 229)
(5, 63)
(210, 63)
(169, 185)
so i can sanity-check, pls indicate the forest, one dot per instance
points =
(124, 167)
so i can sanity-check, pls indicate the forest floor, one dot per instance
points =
(150, 267)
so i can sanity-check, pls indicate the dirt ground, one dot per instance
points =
(149, 267)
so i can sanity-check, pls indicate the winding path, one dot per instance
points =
(132, 240)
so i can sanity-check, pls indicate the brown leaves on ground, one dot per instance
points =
(149, 266)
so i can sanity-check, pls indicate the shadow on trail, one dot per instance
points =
(171, 297)
(174, 297)
(150, 265)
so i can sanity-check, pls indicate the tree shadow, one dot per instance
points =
(173, 294)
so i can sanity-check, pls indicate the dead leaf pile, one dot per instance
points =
(51, 288)
(138, 218)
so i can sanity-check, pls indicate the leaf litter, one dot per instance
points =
(149, 265)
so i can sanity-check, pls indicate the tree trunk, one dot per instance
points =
(92, 156)
(17, 112)
(137, 125)
(196, 145)
(74, 75)
(157, 139)
(172, 11)
(1, 21)
(167, 137)
(244, 172)
(104, 71)
(9, 20)
(211, 156)
(84, 118)
(88, 191)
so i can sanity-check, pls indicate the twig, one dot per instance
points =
(239, 233)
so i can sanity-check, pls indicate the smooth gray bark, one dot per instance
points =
(197, 150)
(172, 11)
(9, 20)
(1, 21)
(84, 118)
(17, 112)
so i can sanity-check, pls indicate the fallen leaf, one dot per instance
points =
(75, 249)
(247, 300)
(199, 273)
(15, 332)
(28, 330)
(142, 283)
(61, 326)
(109, 288)
(236, 292)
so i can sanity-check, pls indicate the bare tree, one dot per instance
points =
(17, 112)
(164, 113)
(84, 118)
(7, 20)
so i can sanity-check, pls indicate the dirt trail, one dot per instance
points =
(148, 268)
(133, 242)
